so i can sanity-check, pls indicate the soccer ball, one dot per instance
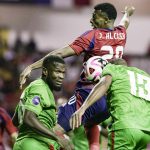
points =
(93, 68)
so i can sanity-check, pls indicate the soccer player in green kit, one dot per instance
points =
(128, 98)
(35, 114)
(103, 40)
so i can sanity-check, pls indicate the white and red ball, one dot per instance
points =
(93, 68)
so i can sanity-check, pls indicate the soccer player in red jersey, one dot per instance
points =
(6, 124)
(104, 40)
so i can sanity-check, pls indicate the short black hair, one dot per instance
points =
(118, 61)
(108, 8)
(49, 60)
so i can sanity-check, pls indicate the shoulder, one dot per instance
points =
(120, 27)
(36, 82)
(37, 86)
(88, 32)
(137, 70)
(109, 66)
(109, 69)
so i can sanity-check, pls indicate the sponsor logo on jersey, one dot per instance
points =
(36, 100)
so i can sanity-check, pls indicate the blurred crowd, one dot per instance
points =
(14, 59)
(12, 62)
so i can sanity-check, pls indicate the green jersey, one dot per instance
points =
(128, 97)
(38, 98)
(79, 139)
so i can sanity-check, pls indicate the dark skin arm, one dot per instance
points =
(63, 52)
(97, 92)
(31, 119)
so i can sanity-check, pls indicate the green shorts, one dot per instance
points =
(33, 144)
(128, 139)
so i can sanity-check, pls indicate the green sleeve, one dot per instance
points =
(34, 99)
(33, 103)
(109, 70)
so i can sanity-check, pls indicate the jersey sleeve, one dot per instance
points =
(109, 70)
(10, 128)
(83, 43)
(34, 100)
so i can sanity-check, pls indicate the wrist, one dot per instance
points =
(82, 109)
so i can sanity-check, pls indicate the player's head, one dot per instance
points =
(118, 61)
(53, 71)
(104, 13)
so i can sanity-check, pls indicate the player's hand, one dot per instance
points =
(23, 76)
(76, 119)
(65, 144)
(129, 9)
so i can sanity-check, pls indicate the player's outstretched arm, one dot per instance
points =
(97, 92)
(31, 120)
(63, 52)
(129, 11)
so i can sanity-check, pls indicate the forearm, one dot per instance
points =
(62, 52)
(97, 92)
(94, 96)
(125, 20)
(31, 120)
(38, 64)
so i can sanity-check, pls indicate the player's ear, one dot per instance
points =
(45, 72)
(107, 20)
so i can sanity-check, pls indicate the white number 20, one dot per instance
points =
(112, 53)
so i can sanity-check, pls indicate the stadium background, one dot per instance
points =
(31, 28)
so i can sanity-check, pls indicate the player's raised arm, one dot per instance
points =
(63, 52)
(129, 10)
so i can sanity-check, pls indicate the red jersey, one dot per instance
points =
(102, 42)
(5, 123)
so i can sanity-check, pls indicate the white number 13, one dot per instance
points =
(140, 85)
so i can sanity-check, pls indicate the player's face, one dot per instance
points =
(56, 75)
(99, 19)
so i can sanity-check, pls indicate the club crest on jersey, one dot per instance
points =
(36, 100)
